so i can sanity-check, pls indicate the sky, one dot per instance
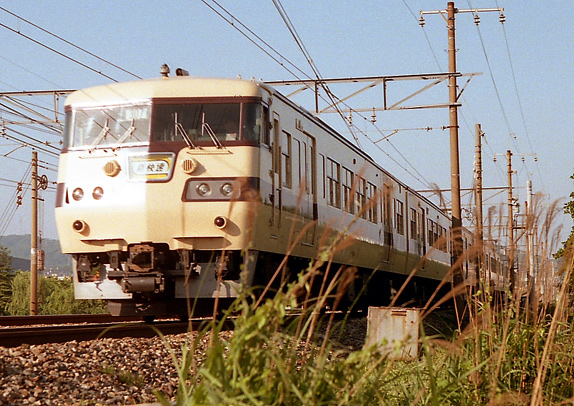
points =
(522, 97)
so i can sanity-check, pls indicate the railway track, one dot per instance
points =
(34, 330)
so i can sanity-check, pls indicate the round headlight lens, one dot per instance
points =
(203, 190)
(98, 193)
(227, 189)
(78, 194)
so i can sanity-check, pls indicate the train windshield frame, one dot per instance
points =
(103, 126)
(203, 119)
(160, 120)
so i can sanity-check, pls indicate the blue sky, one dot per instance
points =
(522, 99)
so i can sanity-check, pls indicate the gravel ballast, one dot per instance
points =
(99, 372)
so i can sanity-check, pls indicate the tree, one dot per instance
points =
(6, 277)
(567, 245)
(5, 260)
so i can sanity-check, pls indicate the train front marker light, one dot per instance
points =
(78, 194)
(220, 222)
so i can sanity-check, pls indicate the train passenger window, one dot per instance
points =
(333, 183)
(360, 197)
(414, 225)
(372, 202)
(286, 161)
(348, 203)
(324, 172)
(399, 217)
(387, 207)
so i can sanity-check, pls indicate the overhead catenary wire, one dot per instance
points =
(280, 59)
(307, 55)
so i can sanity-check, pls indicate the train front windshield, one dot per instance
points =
(141, 123)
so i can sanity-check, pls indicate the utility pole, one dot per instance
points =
(510, 225)
(456, 214)
(34, 238)
(530, 245)
(478, 201)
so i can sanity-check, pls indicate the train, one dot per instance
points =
(181, 188)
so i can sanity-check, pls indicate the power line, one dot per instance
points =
(307, 55)
(57, 52)
(231, 19)
(71, 44)
(10, 209)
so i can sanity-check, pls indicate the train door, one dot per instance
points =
(276, 198)
(308, 176)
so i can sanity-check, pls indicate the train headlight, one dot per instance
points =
(80, 226)
(78, 194)
(226, 189)
(203, 189)
(98, 193)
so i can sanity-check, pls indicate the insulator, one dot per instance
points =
(476, 19)
(19, 200)
(19, 187)
(374, 117)
(422, 21)
(502, 18)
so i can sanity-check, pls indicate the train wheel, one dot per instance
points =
(148, 319)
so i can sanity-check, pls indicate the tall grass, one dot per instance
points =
(516, 351)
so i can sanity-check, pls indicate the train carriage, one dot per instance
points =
(181, 188)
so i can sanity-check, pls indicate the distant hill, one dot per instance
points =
(19, 246)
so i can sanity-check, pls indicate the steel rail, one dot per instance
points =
(16, 336)
(63, 319)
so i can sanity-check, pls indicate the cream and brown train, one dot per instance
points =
(180, 188)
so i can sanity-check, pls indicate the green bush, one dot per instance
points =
(55, 296)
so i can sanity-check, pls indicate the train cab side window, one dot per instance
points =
(333, 183)
(399, 217)
(265, 133)
(251, 121)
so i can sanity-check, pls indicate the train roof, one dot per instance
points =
(190, 86)
(175, 86)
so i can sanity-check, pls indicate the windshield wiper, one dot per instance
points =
(206, 128)
(128, 133)
(103, 134)
(181, 131)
